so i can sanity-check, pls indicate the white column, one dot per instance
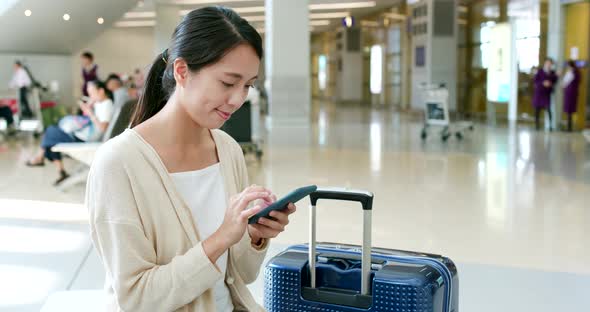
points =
(434, 48)
(555, 35)
(167, 18)
(349, 81)
(287, 59)
(513, 101)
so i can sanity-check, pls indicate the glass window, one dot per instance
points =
(322, 71)
(528, 32)
(485, 38)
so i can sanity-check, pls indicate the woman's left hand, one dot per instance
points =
(86, 109)
(268, 228)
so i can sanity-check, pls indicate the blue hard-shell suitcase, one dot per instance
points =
(351, 278)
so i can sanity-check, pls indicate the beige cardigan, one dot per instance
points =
(147, 239)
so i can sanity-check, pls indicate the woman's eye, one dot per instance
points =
(228, 85)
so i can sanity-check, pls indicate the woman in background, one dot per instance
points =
(545, 80)
(89, 71)
(571, 84)
(98, 113)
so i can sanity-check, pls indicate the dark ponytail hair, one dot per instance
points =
(202, 38)
(101, 85)
(572, 64)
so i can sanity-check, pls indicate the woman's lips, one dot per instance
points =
(223, 115)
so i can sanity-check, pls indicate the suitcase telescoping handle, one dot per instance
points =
(366, 200)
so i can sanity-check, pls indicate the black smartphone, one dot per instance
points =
(282, 203)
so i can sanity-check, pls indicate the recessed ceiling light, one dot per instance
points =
(28, 13)
(66, 17)
(100, 20)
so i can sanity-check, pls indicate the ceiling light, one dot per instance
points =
(66, 17)
(144, 14)
(348, 21)
(338, 6)
(147, 23)
(100, 20)
(28, 13)
(319, 23)
(328, 15)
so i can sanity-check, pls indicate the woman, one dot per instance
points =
(545, 80)
(98, 113)
(571, 84)
(22, 81)
(168, 198)
(89, 70)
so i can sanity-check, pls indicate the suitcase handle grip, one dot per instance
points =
(366, 200)
(363, 197)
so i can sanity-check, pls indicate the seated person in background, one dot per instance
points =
(115, 85)
(6, 113)
(97, 114)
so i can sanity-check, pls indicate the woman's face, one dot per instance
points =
(86, 61)
(548, 64)
(211, 95)
(94, 93)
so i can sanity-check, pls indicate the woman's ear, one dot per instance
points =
(181, 71)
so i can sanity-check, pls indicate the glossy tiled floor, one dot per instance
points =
(507, 204)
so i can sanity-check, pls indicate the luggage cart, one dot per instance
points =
(243, 127)
(436, 113)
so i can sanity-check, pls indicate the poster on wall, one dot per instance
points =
(498, 86)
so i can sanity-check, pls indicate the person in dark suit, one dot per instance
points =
(544, 81)
(571, 85)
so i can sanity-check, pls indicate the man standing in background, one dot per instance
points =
(22, 81)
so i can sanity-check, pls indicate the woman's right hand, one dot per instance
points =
(235, 221)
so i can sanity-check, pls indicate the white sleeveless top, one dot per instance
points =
(204, 193)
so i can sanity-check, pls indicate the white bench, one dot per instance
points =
(84, 152)
(76, 301)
